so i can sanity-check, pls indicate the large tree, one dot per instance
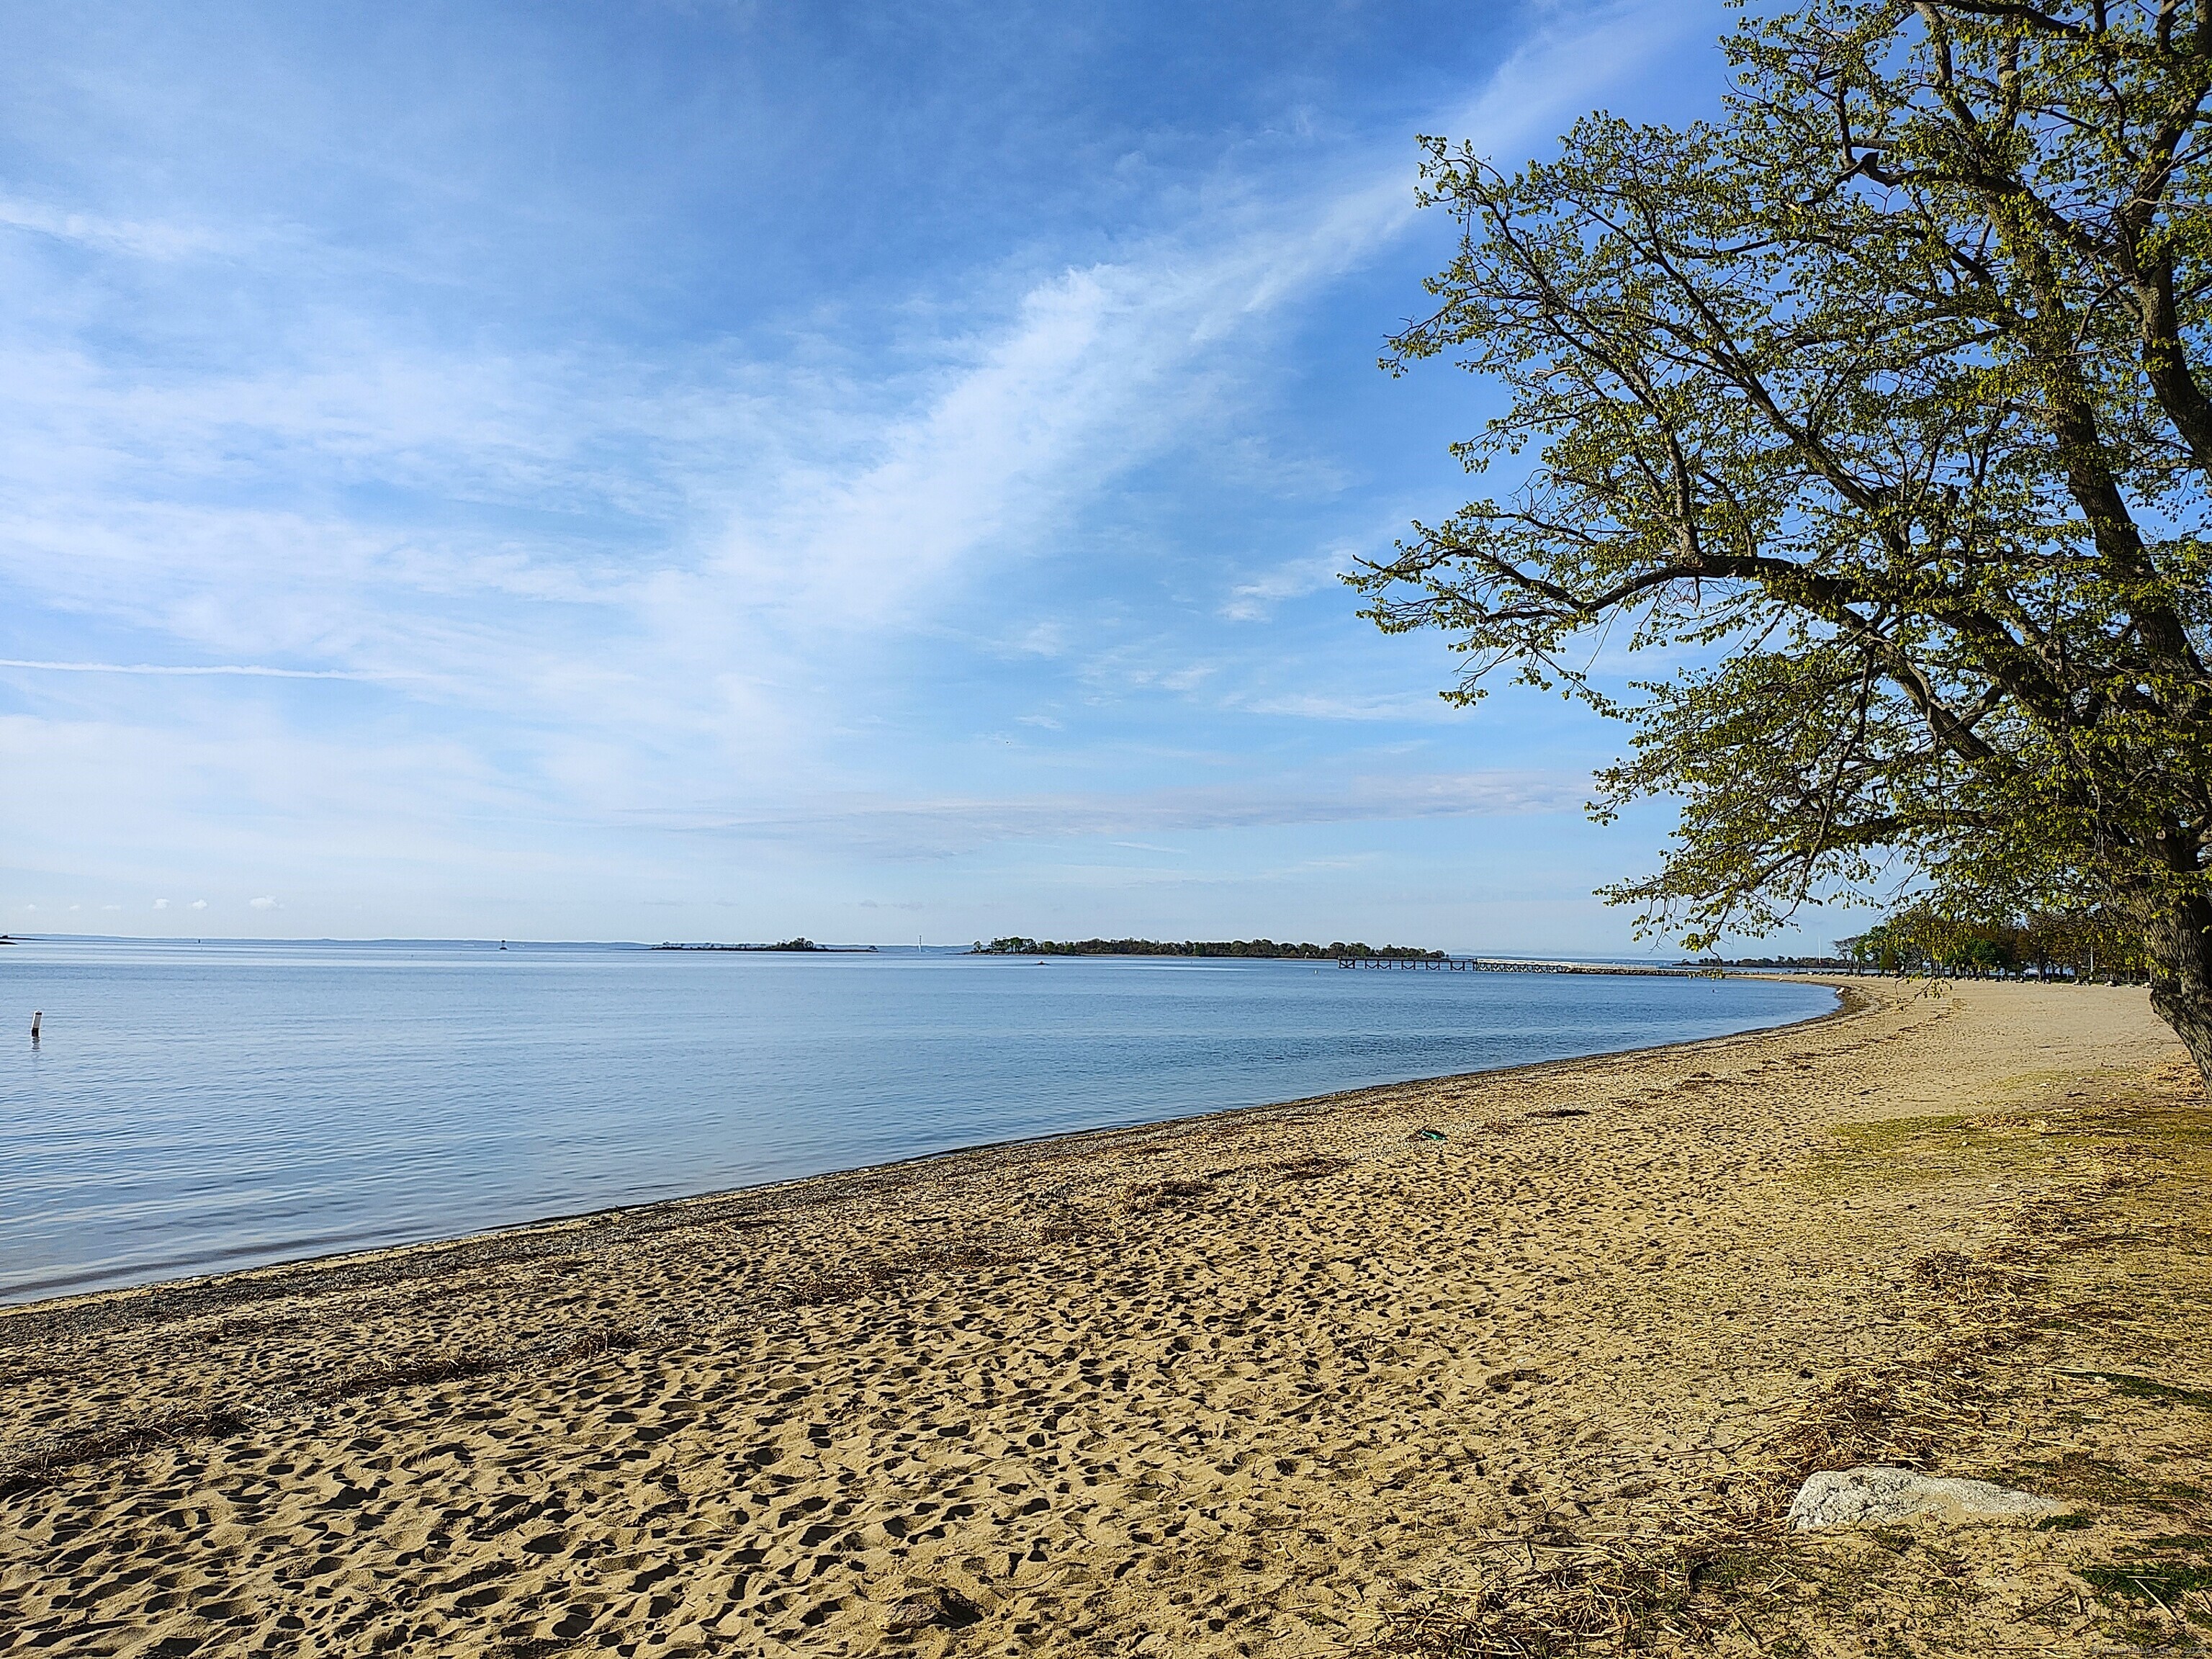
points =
(1879, 405)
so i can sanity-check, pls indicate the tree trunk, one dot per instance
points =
(2178, 940)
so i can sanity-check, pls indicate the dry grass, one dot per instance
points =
(1313, 1167)
(1147, 1197)
(41, 1460)
(1546, 1602)
(2095, 1252)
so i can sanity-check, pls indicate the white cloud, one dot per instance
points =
(1322, 706)
(197, 904)
(933, 828)
(135, 239)
(247, 669)
(1256, 600)
(1045, 639)
(1096, 368)
(635, 582)
(263, 903)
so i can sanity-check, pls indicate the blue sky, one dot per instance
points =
(719, 471)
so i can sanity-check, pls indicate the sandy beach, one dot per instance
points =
(1304, 1380)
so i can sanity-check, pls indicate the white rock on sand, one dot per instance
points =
(1877, 1494)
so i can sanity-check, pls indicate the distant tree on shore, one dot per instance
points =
(1921, 939)
(1885, 393)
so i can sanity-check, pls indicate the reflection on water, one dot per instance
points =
(193, 1108)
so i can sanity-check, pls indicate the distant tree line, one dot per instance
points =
(2081, 946)
(801, 944)
(1792, 964)
(1015, 946)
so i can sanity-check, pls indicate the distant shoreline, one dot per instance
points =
(790, 947)
(1019, 944)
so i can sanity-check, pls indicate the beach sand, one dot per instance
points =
(1289, 1382)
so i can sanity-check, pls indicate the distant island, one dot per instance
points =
(787, 945)
(1017, 946)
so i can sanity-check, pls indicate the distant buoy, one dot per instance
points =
(36, 1020)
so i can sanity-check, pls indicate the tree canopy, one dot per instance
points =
(1879, 404)
(1919, 938)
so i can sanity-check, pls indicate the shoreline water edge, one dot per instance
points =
(191, 1112)
(1541, 1349)
(801, 1186)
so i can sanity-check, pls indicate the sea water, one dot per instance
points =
(193, 1107)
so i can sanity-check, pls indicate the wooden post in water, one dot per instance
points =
(36, 1018)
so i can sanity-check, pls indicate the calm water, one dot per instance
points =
(198, 1108)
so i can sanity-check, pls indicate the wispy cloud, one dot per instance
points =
(936, 827)
(134, 238)
(1256, 600)
(1326, 706)
(1098, 368)
(250, 670)
(588, 578)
